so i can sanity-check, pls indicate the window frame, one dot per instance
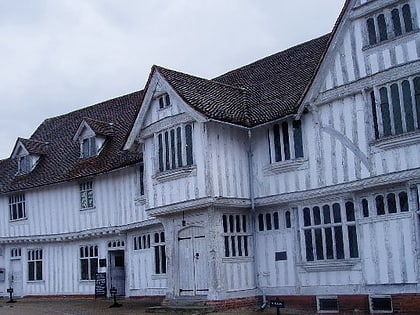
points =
(395, 108)
(237, 236)
(174, 148)
(390, 23)
(17, 205)
(35, 264)
(88, 147)
(285, 141)
(159, 257)
(88, 254)
(331, 241)
(87, 194)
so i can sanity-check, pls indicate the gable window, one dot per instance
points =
(396, 107)
(389, 24)
(237, 237)
(88, 147)
(285, 141)
(24, 164)
(34, 264)
(164, 101)
(17, 207)
(86, 195)
(89, 259)
(175, 148)
(329, 232)
(160, 253)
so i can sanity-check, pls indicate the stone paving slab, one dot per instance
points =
(100, 306)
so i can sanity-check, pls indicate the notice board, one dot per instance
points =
(100, 284)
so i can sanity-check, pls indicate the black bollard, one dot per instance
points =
(114, 294)
(10, 291)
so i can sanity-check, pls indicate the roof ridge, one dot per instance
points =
(201, 78)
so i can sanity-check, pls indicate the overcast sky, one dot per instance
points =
(57, 56)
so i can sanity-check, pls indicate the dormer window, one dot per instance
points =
(88, 147)
(24, 164)
(92, 135)
(164, 101)
(27, 153)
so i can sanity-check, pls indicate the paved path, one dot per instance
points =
(90, 306)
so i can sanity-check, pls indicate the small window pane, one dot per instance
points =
(403, 201)
(297, 138)
(386, 116)
(276, 220)
(307, 216)
(288, 220)
(337, 213)
(327, 214)
(371, 31)
(383, 35)
(350, 211)
(318, 244)
(189, 144)
(417, 97)
(407, 18)
(396, 22)
(261, 222)
(338, 231)
(408, 105)
(286, 144)
(392, 203)
(396, 107)
(317, 215)
(329, 243)
(225, 225)
(354, 251)
(380, 207)
(277, 142)
(308, 243)
(268, 221)
(365, 206)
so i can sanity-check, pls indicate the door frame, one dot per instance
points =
(182, 260)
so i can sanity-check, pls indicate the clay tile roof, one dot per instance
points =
(34, 146)
(266, 90)
(61, 161)
(100, 127)
(277, 83)
(211, 98)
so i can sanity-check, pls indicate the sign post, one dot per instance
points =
(114, 294)
(10, 291)
(100, 284)
(277, 303)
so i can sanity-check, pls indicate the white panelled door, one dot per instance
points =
(16, 277)
(193, 263)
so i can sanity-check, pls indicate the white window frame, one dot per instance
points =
(160, 258)
(88, 254)
(319, 225)
(237, 236)
(35, 263)
(172, 148)
(17, 207)
(88, 147)
(87, 195)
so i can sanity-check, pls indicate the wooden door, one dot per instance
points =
(16, 277)
(117, 271)
(193, 262)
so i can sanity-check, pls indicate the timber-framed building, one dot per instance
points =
(296, 176)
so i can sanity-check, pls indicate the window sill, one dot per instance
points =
(159, 276)
(286, 166)
(238, 259)
(174, 174)
(18, 220)
(400, 140)
(343, 265)
(88, 209)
